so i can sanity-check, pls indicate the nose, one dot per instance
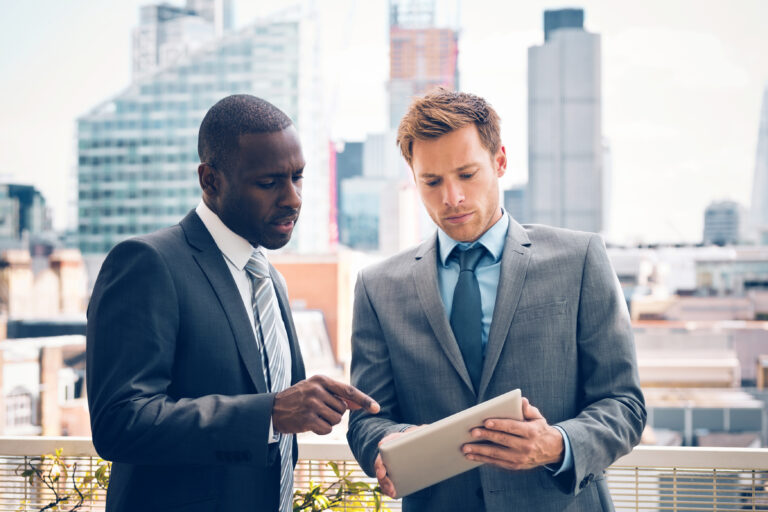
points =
(453, 194)
(291, 196)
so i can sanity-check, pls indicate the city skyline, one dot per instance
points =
(682, 91)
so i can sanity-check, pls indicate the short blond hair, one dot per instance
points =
(442, 111)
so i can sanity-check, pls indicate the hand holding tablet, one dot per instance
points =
(433, 453)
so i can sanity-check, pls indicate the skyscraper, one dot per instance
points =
(22, 209)
(137, 152)
(562, 18)
(565, 150)
(167, 32)
(380, 209)
(515, 203)
(724, 223)
(421, 54)
(759, 209)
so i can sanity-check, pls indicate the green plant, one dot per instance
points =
(69, 489)
(353, 496)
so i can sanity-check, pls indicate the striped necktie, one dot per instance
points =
(273, 346)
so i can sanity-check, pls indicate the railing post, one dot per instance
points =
(674, 489)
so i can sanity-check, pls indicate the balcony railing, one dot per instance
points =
(649, 478)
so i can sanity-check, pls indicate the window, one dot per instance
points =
(18, 408)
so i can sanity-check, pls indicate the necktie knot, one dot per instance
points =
(468, 259)
(257, 265)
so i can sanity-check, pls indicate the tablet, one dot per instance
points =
(433, 453)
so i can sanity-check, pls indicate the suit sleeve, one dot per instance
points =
(371, 372)
(612, 406)
(133, 322)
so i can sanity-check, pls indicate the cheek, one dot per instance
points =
(430, 197)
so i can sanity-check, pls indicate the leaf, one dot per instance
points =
(335, 467)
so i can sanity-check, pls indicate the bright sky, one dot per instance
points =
(682, 86)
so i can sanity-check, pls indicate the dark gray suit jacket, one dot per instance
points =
(175, 382)
(560, 332)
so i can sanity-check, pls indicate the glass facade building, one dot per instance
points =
(137, 152)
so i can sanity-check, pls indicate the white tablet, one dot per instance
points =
(433, 453)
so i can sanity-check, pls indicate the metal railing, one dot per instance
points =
(649, 478)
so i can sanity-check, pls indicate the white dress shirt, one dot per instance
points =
(236, 252)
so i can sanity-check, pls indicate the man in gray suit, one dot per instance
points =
(486, 306)
(196, 383)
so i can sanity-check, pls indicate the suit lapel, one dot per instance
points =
(211, 262)
(425, 280)
(297, 364)
(514, 263)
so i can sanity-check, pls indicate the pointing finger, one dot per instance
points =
(354, 398)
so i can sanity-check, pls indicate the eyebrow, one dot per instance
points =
(283, 174)
(458, 169)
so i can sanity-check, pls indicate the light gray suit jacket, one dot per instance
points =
(560, 332)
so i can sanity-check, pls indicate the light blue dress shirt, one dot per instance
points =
(488, 271)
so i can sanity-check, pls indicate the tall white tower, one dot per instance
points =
(759, 209)
(565, 151)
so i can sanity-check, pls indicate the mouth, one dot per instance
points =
(284, 225)
(459, 219)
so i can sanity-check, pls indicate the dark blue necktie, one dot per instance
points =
(467, 312)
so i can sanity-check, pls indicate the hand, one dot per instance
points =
(517, 444)
(387, 487)
(317, 404)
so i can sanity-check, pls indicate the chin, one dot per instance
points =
(461, 234)
(276, 242)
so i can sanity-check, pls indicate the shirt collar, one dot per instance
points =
(493, 240)
(234, 247)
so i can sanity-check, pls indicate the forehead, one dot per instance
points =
(448, 152)
(279, 150)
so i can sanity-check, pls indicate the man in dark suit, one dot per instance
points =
(196, 384)
(481, 308)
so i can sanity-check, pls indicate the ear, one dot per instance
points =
(209, 180)
(500, 161)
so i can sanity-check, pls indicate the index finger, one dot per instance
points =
(514, 427)
(354, 397)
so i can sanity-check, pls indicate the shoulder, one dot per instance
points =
(398, 266)
(549, 235)
(549, 242)
(159, 248)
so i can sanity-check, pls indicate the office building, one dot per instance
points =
(566, 183)
(349, 164)
(385, 214)
(167, 32)
(562, 18)
(515, 203)
(137, 151)
(725, 223)
(759, 209)
(422, 55)
(22, 210)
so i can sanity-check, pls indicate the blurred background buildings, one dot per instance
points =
(699, 310)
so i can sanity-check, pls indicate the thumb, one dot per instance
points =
(530, 412)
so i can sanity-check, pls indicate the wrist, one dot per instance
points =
(555, 446)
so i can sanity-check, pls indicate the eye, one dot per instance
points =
(466, 175)
(297, 177)
(432, 183)
(266, 184)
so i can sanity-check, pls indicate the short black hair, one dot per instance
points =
(231, 117)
